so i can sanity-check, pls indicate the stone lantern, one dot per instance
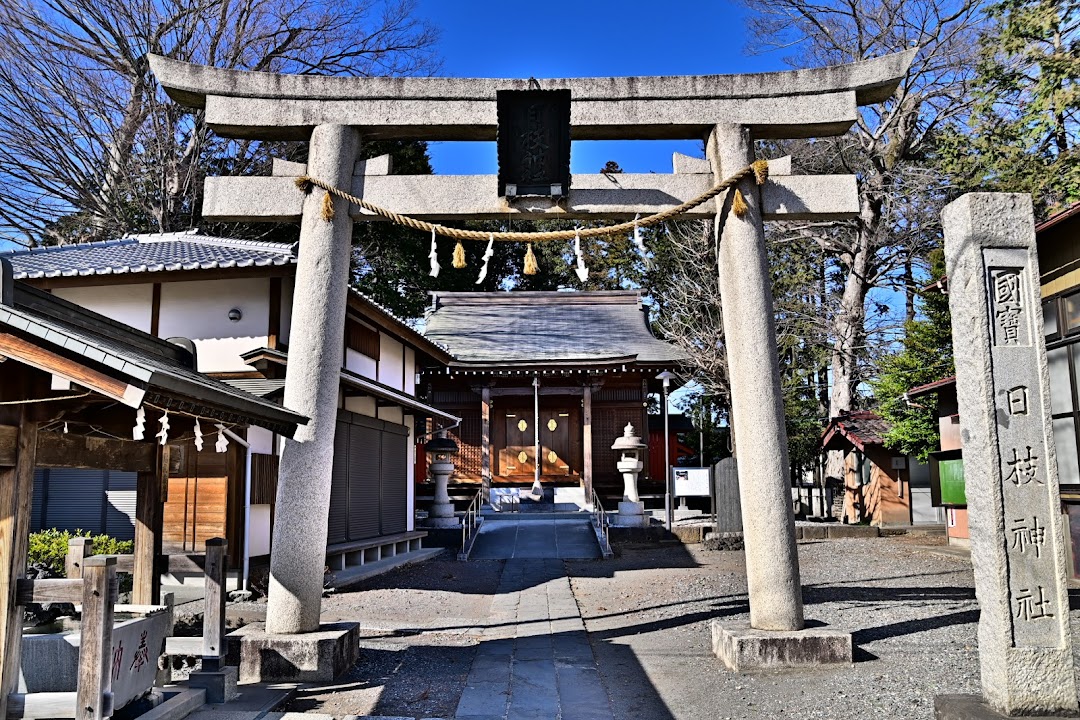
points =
(630, 448)
(441, 451)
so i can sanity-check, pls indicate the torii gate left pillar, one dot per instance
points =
(311, 387)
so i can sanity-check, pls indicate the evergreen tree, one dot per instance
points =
(927, 356)
(1025, 126)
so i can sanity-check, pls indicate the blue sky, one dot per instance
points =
(484, 38)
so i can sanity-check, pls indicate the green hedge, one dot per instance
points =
(50, 547)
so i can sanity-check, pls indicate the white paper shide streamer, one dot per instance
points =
(639, 241)
(434, 256)
(139, 431)
(487, 256)
(581, 270)
(222, 443)
(163, 433)
(198, 436)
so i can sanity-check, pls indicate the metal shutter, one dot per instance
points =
(364, 455)
(337, 528)
(120, 505)
(37, 506)
(395, 482)
(76, 500)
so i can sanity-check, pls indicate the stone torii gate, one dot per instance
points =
(335, 114)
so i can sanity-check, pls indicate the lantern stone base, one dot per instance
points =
(973, 707)
(318, 656)
(742, 648)
(631, 514)
(441, 515)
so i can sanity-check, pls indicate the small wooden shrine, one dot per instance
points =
(544, 382)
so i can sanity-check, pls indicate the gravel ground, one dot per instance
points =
(910, 605)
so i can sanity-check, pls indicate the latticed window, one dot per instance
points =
(467, 436)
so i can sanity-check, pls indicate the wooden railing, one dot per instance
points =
(600, 520)
(96, 590)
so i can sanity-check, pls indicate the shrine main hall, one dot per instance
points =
(544, 382)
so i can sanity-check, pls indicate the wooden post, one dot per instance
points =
(79, 548)
(94, 692)
(214, 605)
(16, 496)
(586, 442)
(146, 583)
(485, 441)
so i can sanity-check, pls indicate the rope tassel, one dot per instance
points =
(459, 255)
(328, 207)
(531, 266)
(487, 256)
(761, 171)
(434, 256)
(738, 204)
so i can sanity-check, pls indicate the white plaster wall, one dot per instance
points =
(361, 364)
(200, 311)
(259, 536)
(361, 405)
(261, 440)
(391, 362)
(129, 304)
(286, 309)
(410, 503)
(410, 371)
(392, 414)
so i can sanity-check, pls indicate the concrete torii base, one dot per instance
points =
(973, 707)
(318, 656)
(742, 648)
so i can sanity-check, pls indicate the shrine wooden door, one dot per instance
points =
(519, 455)
(555, 442)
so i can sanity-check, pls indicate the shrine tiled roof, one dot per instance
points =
(508, 328)
(860, 429)
(156, 252)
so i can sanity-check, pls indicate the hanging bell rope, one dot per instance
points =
(759, 169)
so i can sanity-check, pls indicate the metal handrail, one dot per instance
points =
(471, 519)
(600, 518)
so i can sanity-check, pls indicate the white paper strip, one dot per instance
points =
(434, 256)
(487, 256)
(163, 433)
(198, 436)
(139, 431)
(581, 270)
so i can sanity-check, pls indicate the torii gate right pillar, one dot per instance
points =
(776, 635)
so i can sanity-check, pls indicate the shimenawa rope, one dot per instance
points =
(759, 169)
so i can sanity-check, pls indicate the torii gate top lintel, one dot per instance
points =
(795, 103)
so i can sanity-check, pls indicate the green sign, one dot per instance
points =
(951, 474)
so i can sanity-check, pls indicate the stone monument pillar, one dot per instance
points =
(776, 636)
(441, 451)
(631, 509)
(311, 388)
(1025, 649)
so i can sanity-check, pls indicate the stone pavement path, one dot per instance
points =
(525, 537)
(534, 661)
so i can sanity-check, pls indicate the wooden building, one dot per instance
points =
(233, 299)
(881, 487)
(544, 382)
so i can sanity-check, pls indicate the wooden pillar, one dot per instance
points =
(149, 517)
(93, 695)
(485, 441)
(79, 549)
(586, 442)
(213, 646)
(16, 496)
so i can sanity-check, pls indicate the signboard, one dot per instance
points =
(533, 142)
(692, 482)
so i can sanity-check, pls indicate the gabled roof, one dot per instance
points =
(183, 251)
(51, 330)
(514, 328)
(931, 387)
(861, 429)
(157, 252)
